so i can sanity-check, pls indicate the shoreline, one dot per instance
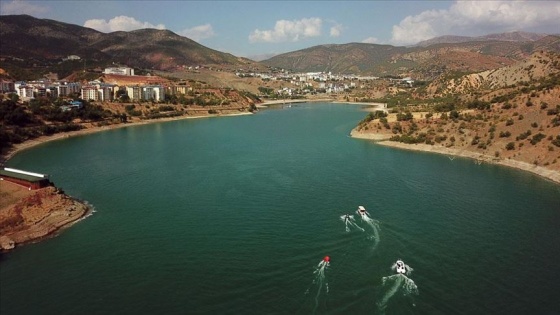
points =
(68, 210)
(37, 214)
(383, 139)
(265, 104)
(16, 148)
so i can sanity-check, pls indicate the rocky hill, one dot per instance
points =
(538, 66)
(346, 58)
(29, 43)
(466, 55)
(509, 116)
(509, 36)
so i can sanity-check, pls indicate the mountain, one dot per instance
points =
(345, 58)
(539, 66)
(510, 36)
(46, 42)
(424, 63)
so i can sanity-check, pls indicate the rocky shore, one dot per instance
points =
(383, 139)
(31, 215)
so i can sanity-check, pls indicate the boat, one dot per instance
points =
(400, 267)
(362, 211)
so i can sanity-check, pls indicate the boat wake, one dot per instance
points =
(350, 223)
(373, 224)
(319, 283)
(395, 284)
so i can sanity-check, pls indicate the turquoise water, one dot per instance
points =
(234, 215)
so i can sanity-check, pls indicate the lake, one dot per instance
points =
(234, 215)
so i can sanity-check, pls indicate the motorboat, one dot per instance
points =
(362, 211)
(400, 267)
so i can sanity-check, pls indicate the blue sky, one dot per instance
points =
(253, 28)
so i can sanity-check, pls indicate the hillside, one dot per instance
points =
(30, 45)
(507, 115)
(347, 58)
(425, 63)
(509, 36)
(538, 66)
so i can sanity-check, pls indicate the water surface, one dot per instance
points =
(234, 215)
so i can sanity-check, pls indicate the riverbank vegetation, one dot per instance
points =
(43, 116)
(518, 121)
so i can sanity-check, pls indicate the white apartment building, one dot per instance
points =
(153, 92)
(134, 92)
(90, 93)
(65, 89)
(98, 91)
(6, 86)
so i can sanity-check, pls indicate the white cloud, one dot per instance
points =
(21, 7)
(477, 18)
(371, 40)
(198, 32)
(336, 30)
(120, 23)
(288, 31)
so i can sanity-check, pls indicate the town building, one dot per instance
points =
(119, 70)
(134, 92)
(153, 92)
(7, 86)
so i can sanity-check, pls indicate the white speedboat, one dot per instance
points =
(361, 210)
(400, 267)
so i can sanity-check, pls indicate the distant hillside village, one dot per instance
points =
(324, 82)
(93, 90)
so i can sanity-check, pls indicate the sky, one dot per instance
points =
(257, 29)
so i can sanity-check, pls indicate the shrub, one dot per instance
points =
(478, 105)
(505, 134)
(556, 141)
(404, 117)
(537, 138)
(552, 111)
(510, 146)
(524, 135)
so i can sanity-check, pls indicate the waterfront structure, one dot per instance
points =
(24, 178)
